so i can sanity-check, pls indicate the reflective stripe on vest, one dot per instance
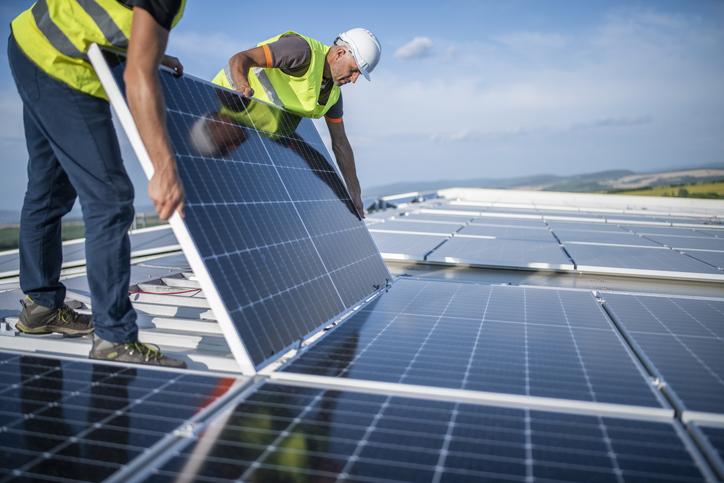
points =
(113, 34)
(52, 32)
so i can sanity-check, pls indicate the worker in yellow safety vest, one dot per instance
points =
(74, 153)
(304, 76)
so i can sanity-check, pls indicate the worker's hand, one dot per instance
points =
(243, 88)
(166, 192)
(174, 64)
(356, 197)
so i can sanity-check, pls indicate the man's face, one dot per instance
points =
(344, 68)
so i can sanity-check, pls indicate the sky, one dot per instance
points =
(476, 89)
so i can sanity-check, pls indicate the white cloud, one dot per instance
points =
(416, 48)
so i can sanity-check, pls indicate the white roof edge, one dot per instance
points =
(671, 205)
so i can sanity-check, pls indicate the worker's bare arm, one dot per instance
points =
(239, 66)
(345, 160)
(145, 99)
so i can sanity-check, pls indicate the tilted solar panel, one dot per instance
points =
(269, 229)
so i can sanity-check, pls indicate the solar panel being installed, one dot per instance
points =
(539, 342)
(84, 421)
(269, 230)
(683, 340)
(283, 433)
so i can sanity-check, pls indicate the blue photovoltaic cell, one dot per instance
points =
(715, 438)
(551, 343)
(85, 421)
(283, 433)
(683, 339)
(267, 213)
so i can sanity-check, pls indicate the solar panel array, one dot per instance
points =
(537, 342)
(527, 237)
(271, 224)
(283, 433)
(85, 421)
(267, 214)
(684, 341)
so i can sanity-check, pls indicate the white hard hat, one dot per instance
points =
(366, 49)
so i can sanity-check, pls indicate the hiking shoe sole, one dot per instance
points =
(47, 329)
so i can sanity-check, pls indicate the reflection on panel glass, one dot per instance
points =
(268, 214)
(549, 343)
(84, 421)
(305, 435)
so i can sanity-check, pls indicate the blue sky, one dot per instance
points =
(471, 89)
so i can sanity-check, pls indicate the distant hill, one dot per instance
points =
(601, 181)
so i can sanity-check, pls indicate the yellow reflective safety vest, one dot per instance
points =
(56, 34)
(299, 95)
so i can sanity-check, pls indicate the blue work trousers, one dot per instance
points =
(74, 152)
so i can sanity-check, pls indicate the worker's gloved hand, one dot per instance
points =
(174, 64)
(166, 191)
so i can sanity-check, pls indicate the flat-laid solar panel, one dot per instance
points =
(285, 433)
(401, 246)
(508, 232)
(645, 261)
(143, 242)
(269, 227)
(509, 223)
(684, 341)
(500, 252)
(539, 342)
(604, 237)
(690, 242)
(570, 225)
(714, 443)
(663, 230)
(84, 421)
(396, 226)
(433, 217)
(715, 259)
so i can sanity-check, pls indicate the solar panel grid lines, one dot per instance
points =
(710, 438)
(334, 435)
(63, 419)
(569, 351)
(682, 342)
(261, 196)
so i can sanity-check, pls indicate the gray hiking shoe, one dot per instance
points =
(132, 352)
(36, 319)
